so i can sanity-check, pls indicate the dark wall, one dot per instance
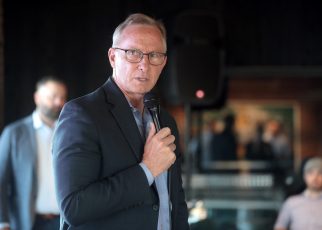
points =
(70, 39)
(273, 32)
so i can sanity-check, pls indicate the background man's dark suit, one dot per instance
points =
(97, 150)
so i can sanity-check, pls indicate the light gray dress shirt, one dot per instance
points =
(143, 123)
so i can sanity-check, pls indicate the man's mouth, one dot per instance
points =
(142, 79)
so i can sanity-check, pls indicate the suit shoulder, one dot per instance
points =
(88, 100)
(19, 124)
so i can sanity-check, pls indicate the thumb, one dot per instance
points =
(151, 131)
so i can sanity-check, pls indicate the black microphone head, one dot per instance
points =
(152, 103)
(151, 100)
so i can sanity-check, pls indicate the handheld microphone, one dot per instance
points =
(152, 103)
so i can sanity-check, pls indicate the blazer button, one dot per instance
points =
(155, 207)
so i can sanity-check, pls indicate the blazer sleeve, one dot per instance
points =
(82, 194)
(5, 174)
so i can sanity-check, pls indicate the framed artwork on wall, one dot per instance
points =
(253, 134)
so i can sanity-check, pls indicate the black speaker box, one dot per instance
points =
(194, 71)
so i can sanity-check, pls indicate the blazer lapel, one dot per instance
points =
(124, 117)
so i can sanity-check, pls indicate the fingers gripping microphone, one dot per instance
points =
(152, 103)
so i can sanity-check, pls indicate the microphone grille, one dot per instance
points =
(151, 100)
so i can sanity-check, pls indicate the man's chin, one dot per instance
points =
(53, 115)
(316, 189)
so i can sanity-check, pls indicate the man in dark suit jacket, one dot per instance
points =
(27, 196)
(111, 165)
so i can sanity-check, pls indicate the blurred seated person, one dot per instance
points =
(224, 144)
(258, 149)
(303, 211)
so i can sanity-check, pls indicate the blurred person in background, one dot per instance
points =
(303, 211)
(258, 148)
(224, 144)
(275, 135)
(207, 134)
(27, 192)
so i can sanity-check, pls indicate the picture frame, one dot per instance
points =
(278, 121)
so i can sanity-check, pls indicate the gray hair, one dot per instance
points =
(139, 19)
(312, 164)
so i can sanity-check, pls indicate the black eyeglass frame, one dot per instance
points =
(164, 55)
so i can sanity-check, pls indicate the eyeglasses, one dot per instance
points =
(135, 56)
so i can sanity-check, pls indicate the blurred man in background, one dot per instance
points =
(276, 136)
(303, 211)
(27, 193)
(224, 144)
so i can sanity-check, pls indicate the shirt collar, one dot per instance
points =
(305, 194)
(135, 111)
(146, 115)
(37, 122)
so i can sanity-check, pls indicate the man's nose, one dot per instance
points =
(144, 63)
(59, 101)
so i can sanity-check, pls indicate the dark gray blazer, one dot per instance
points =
(18, 177)
(97, 150)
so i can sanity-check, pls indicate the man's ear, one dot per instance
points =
(165, 61)
(111, 57)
